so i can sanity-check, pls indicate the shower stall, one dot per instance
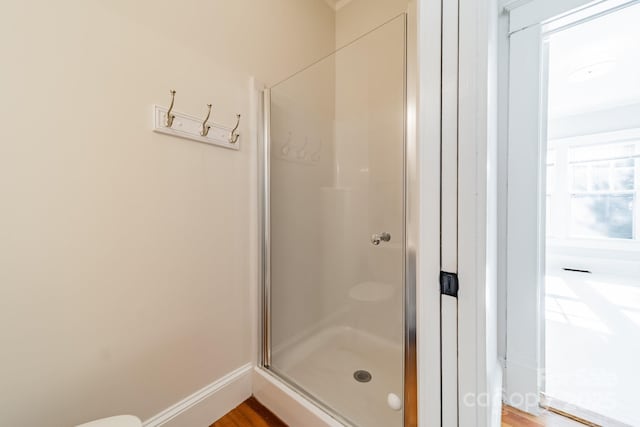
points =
(338, 318)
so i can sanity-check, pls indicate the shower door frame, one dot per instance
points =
(410, 233)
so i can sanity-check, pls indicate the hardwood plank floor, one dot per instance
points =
(252, 413)
(249, 413)
(511, 417)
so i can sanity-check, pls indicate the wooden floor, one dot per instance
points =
(252, 414)
(249, 413)
(513, 418)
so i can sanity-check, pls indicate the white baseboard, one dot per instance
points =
(521, 389)
(288, 404)
(495, 390)
(208, 404)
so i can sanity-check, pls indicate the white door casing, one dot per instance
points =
(523, 254)
(524, 270)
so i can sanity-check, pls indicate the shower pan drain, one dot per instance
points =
(362, 376)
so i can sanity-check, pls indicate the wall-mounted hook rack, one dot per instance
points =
(191, 127)
(168, 122)
(233, 138)
(205, 127)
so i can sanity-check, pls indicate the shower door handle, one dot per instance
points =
(381, 237)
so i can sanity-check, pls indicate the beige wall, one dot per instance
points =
(125, 255)
(358, 17)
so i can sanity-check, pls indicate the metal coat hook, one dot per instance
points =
(205, 127)
(234, 135)
(169, 120)
(170, 117)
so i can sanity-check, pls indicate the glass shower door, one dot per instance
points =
(336, 229)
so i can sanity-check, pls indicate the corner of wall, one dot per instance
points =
(208, 404)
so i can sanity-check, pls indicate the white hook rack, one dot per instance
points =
(190, 127)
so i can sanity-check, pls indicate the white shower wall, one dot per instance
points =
(337, 178)
(369, 158)
(321, 249)
(302, 166)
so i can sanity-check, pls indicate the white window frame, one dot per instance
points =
(562, 237)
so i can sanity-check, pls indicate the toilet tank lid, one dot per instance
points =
(119, 421)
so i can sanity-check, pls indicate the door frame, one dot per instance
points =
(479, 370)
(523, 138)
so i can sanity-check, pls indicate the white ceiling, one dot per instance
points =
(595, 65)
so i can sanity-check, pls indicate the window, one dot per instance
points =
(551, 182)
(592, 190)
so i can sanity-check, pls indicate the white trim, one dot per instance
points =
(581, 413)
(600, 137)
(478, 366)
(428, 261)
(289, 405)
(225, 393)
(508, 7)
(449, 194)
(524, 238)
(449, 361)
(580, 15)
(518, 386)
(558, 14)
(539, 11)
(449, 210)
(503, 105)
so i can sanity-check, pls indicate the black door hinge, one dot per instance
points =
(449, 284)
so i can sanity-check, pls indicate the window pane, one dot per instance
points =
(622, 163)
(580, 177)
(600, 176)
(597, 152)
(602, 216)
(622, 177)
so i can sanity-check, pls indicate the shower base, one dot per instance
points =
(323, 365)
